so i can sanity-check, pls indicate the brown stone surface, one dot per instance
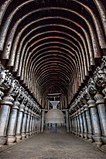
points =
(53, 146)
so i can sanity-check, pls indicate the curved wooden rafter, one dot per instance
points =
(51, 43)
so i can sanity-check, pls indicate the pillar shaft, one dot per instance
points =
(33, 121)
(70, 124)
(79, 127)
(31, 118)
(12, 123)
(24, 124)
(42, 124)
(6, 104)
(81, 123)
(28, 124)
(95, 122)
(102, 114)
(67, 121)
(89, 124)
(19, 122)
(84, 123)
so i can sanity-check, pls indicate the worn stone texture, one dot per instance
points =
(53, 146)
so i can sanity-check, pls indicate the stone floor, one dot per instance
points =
(53, 146)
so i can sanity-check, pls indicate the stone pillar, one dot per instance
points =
(33, 123)
(38, 126)
(11, 133)
(73, 126)
(77, 133)
(6, 104)
(102, 114)
(67, 121)
(39, 123)
(24, 123)
(89, 123)
(79, 127)
(42, 124)
(72, 119)
(95, 122)
(81, 123)
(70, 124)
(84, 123)
(28, 124)
(78, 124)
(31, 118)
(19, 122)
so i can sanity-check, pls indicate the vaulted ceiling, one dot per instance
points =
(52, 46)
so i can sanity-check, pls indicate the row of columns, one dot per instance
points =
(88, 111)
(19, 113)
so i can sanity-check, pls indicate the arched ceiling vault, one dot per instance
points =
(52, 45)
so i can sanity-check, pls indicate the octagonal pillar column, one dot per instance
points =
(95, 122)
(6, 105)
(31, 120)
(85, 131)
(11, 133)
(89, 123)
(102, 114)
(28, 124)
(42, 122)
(67, 121)
(24, 124)
(81, 123)
(19, 122)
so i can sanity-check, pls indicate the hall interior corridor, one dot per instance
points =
(52, 79)
(53, 146)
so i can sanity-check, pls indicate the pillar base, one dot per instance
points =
(89, 136)
(23, 136)
(103, 138)
(90, 139)
(103, 148)
(27, 135)
(97, 140)
(30, 134)
(78, 134)
(85, 136)
(3, 140)
(73, 132)
(18, 138)
(11, 139)
(81, 135)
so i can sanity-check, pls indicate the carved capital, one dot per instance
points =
(5, 78)
(103, 66)
(16, 105)
(26, 110)
(85, 107)
(1, 95)
(14, 90)
(91, 103)
(99, 98)
(100, 78)
(104, 92)
(91, 87)
(25, 100)
(8, 100)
